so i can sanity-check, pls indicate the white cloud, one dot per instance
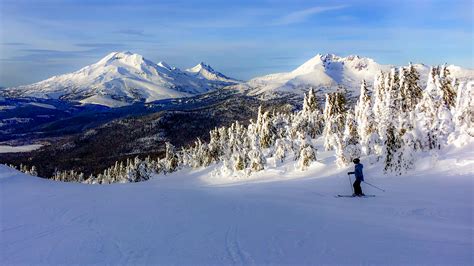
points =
(302, 15)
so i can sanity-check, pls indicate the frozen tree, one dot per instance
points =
(366, 122)
(379, 93)
(238, 160)
(392, 145)
(464, 110)
(407, 151)
(143, 171)
(170, 162)
(256, 158)
(434, 120)
(33, 171)
(310, 119)
(215, 148)
(411, 92)
(447, 85)
(350, 144)
(334, 119)
(280, 150)
(264, 128)
(306, 154)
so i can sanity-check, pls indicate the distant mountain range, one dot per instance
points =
(123, 78)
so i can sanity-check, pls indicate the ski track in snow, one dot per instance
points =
(423, 218)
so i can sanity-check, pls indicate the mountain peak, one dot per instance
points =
(163, 64)
(201, 66)
(323, 61)
(125, 57)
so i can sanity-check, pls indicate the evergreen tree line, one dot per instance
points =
(390, 123)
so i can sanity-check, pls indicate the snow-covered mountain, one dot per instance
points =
(329, 72)
(122, 78)
(206, 72)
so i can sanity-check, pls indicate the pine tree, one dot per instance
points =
(334, 119)
(238, 159)
(256, 158)
(170, 162)
(310, 119)
(350, 146)
(366, 122)
(263, 128)
(447, 84)
(411, 92)
(310, 103)
(306, 154)
(407, 151)
(392, 146)
(464, 110)
(434, 120)
(33, 171)
(280, 150)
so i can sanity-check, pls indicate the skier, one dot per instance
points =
(359, 176)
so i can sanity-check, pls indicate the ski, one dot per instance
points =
(350, 196)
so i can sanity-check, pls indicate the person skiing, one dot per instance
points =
(359, 176)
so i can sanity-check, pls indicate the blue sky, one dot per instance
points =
(242, 39)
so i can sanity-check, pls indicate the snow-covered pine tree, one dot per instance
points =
(447, 85)
(334, 119)
(170, 162)
(407, 150)
(238, 160)
(411, 92)
(280, 152)
(264, 128)
(464, 111)
(380, 93)
(409, 96)
(389, 127)
(434, 120)
(310, 103)
(33, 171)
(215, 150)
(392, 145)
(255, 155)
(281, 123)
(350, 144)
(306, 154)
(235, 158)
(366, 122)
(131, 170)
(143, 172)
(311, 119)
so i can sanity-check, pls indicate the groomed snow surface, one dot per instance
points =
(277, 217)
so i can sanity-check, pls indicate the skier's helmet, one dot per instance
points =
(356, 160)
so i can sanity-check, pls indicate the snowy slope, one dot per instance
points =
(292, 218)
(121, 78)
(327, 73)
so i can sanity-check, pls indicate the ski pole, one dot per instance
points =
(350, 184)
(373, 186)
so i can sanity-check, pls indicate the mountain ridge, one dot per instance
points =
(329, 72)
(122, 78)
